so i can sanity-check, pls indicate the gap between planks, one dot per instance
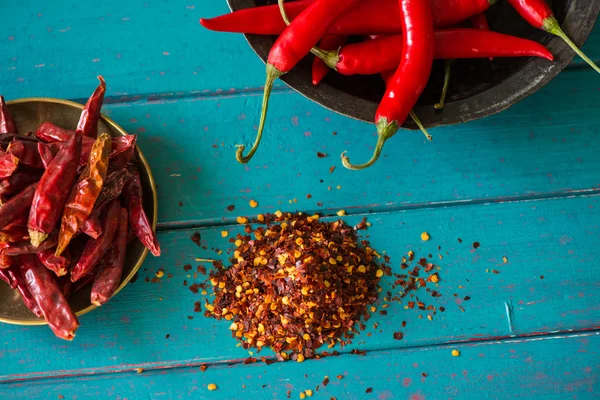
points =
(388, 209)
(187, 364)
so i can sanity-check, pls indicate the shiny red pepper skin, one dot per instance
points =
(26, 296)
(479, 21)
(92, 226)
(109, 276)
(120, 145)
(53, 190)
(7, 123)
(95, 249)
(138, 219)
(49, 297)
(57, 264)
(46, 154)
(17, 206)
(8, 165)
(366, 18)
(27, 153)
(27, 248)
(384, 53)
(16, 231)
(47, 132)
(319, 68)
(88, 122)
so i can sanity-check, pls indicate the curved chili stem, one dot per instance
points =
(552, 26)
(447, 73)
(272, 74)
(385, 131)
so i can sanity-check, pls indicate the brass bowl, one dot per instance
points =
(29, 114)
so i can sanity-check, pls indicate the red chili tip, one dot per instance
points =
(102, 81)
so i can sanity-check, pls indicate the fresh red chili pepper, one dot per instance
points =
(53, 190)
(365, 18)
(296, 41)
(49, 297)
(95, 249)
(479, 21)
(84, 194)
(138, 219)
(26, 296)
(49, 133)
(8, 165)
(319, 68)
(539, 15)
(109, 276)
(27, 153)
(410, 78)
(17, 206)
(19, 181)
(88, 122)
(57, 264)
(7, 122)
(385, 53)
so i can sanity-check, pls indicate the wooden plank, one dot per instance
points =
(537, 148)
(142, 48)
(564, 367)
(548, 284)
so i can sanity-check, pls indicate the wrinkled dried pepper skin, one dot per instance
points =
(113, 187)
(27, 153)
(49, 297)
(137, 216)
(95, 249)
(92, 226)
(108, 277)
(28, 248)
(46, 154)
(19, 181)
(49, 133)
(85, 193)
(16, 231)
(88, 122)
(7, 123)
(8, 165)
(5, 261)
(57, 264)
(120, 146)
(26, 295)
(17, 206)
(4, 276)
(53, 190)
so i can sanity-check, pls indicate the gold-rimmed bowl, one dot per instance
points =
(29, 113)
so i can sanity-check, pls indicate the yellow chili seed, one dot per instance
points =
(253, 203)
(224, 233)
(300, 358)
(260, 217)
(424, 236)
(238, 243)
(434, 279)
(341, 213)
(362, 269)
(308, 392)
(455, 353)
(505, 260)
(302, 395)
(278, 214)
(379, 273)
(212, 386)
(242, 220)
(160, 273)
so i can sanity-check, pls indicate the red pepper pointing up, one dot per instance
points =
(88, 122)
(539, 14)
(409, 81)
(7, 123)
(295, 42)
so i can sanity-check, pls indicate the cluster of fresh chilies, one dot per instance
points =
(62, 225)
(408, 39)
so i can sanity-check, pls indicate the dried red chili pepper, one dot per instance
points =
(49, 133)
(115, 182)
(539, 15)
(8, 165)
(410, 78)
(26, 296)
(88, 122)
(45, 291)
(293, 44)
(83, 196)
(6, 277)
(28, 248)
(46, 154)
(19, 181)
(109, 276)
(7, 122)
(319, 68)
(365, 18)
(17, 206)
(57, 264)
(95, 249)
(27, 153)
(137, 216)
(16, 231)
(5, 261)
(53, 190)
(92, 226)
(120, 146)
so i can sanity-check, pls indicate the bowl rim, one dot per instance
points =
(534, 75)
(113, 125)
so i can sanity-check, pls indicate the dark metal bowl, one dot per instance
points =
(478, 87)
(29, 114)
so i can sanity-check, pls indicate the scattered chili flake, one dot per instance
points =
(167, 336)
(224, 233)
(230, 208)
(60, 396)
(242, 220)
(455, 353)
(190, 317)
(341, 213)
(253, 203)
(331, 169)
(309, 196)
(321, 155)
(403, 324)
(211, 387)
(160, 273)
(340, 377)
(325, 381)
(467, 298)
(459, 240)
(187, 267)
(542, 277)
(495, 271)
(302, 395)
(476, 245)
(288, 394)
(504, 259)
(398, 335)
(425, 236)
(369, 390)
(201, 269)
(424, 375)
(197, 306)
(277, 294)
(139, 370)
(308, 392)
(203, 367)
(196, 238)
(320, 204)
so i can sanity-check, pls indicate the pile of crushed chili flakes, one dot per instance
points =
(296, 283)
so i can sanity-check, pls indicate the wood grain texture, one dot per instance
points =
(143, 49)
(553, 368)
(548, 284)
(537, 148)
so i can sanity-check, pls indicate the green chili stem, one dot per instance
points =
(420, 125)
(447, 74)
(385, 131)
(552, 26)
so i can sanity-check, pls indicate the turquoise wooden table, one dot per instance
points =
(525, 184)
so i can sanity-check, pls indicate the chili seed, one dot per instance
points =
(242, 220)
(341, 213)
(224, 233)
(424, 236)
(455, 353)
(211, 387)
(253, 203)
